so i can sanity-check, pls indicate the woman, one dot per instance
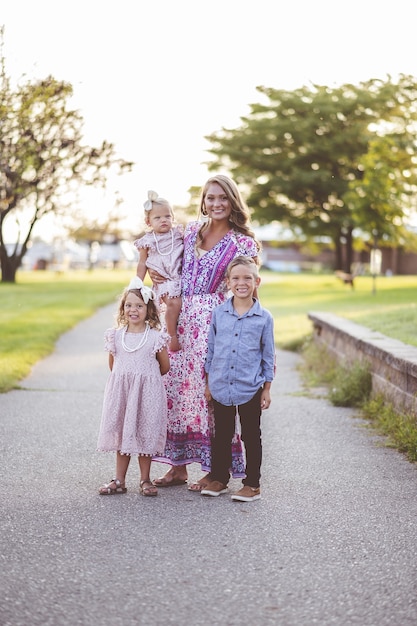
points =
(209, 246)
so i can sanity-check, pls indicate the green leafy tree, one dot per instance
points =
(43, 159)
(303, 156)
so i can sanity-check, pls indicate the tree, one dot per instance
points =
(303, 156)
(42, 159)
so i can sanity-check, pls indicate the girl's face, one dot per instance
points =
(217, 203)
(135, 311)
(160, 219)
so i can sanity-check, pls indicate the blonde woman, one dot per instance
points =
(222, 233)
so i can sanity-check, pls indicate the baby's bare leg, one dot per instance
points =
(173, 308)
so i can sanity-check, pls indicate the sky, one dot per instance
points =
(154, 78)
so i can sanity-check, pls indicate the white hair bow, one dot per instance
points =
(147, 293)
(152, 195)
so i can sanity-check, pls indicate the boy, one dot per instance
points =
(239, 371)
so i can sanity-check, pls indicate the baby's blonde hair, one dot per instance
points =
(153, 201)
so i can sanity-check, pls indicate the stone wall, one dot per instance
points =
(393, 364)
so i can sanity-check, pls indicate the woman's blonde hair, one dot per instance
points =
(239, 217)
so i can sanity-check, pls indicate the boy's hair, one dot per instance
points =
(152, 315)
(248, 261)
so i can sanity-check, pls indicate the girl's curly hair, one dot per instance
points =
(152, 315)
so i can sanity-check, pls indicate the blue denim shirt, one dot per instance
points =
(241, 352)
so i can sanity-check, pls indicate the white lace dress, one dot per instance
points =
(134, 416)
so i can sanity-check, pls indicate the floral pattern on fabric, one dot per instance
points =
(190, 417)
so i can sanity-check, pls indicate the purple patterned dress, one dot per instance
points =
(190, 417)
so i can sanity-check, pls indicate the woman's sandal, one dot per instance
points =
(200, 484)
(148, 491)
(108, 490)
(164, 482)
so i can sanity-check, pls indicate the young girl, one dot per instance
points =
(161, 250)
(134, 418)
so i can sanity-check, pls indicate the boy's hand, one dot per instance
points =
(207, 393)
(265, 399)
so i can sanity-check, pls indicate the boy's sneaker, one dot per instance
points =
(214, 488)
(247, 494)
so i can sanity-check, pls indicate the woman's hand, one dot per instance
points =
(156, 277)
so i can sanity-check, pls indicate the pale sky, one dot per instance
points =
(155, 77)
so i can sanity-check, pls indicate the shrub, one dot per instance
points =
(352, 385)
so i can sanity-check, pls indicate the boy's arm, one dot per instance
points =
(266, 396)
(209, 356)
(207, 392)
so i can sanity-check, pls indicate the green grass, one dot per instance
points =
(391, 310)
(351, 386)
(41, 306)
(36, 310)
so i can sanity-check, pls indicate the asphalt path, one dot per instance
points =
(332, 541)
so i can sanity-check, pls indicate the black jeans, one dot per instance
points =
(224, 428)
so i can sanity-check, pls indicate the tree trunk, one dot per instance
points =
(338, 253)
(9, 266)
(348, 250)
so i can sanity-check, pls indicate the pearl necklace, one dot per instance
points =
(140, 344)
(157, 246)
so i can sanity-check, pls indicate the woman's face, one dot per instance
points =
(217, 203)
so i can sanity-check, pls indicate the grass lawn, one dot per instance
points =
(41, 306)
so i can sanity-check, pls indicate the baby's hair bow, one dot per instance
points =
(147, 293)
(152, 195)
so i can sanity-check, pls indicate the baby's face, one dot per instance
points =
(160, 219)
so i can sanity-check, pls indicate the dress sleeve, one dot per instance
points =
(109, 340)
(246, 245)
(162, 341)
(144, 242)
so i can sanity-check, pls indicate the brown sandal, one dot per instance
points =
(107, 490)
(148, 491)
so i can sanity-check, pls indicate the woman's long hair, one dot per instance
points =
(239, 217)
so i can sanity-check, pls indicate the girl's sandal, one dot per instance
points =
(109, 490)
(151, 490)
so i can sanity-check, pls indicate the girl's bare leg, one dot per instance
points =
(122, 463)
(117, 485)
(173, 308)
(147, 488)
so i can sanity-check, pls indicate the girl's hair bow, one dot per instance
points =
(152, 195)
(147, 293)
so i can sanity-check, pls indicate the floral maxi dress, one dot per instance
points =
(190, 417)
(134, 416)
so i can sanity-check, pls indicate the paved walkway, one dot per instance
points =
(332, 541)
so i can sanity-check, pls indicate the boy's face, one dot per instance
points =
(243, 281)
